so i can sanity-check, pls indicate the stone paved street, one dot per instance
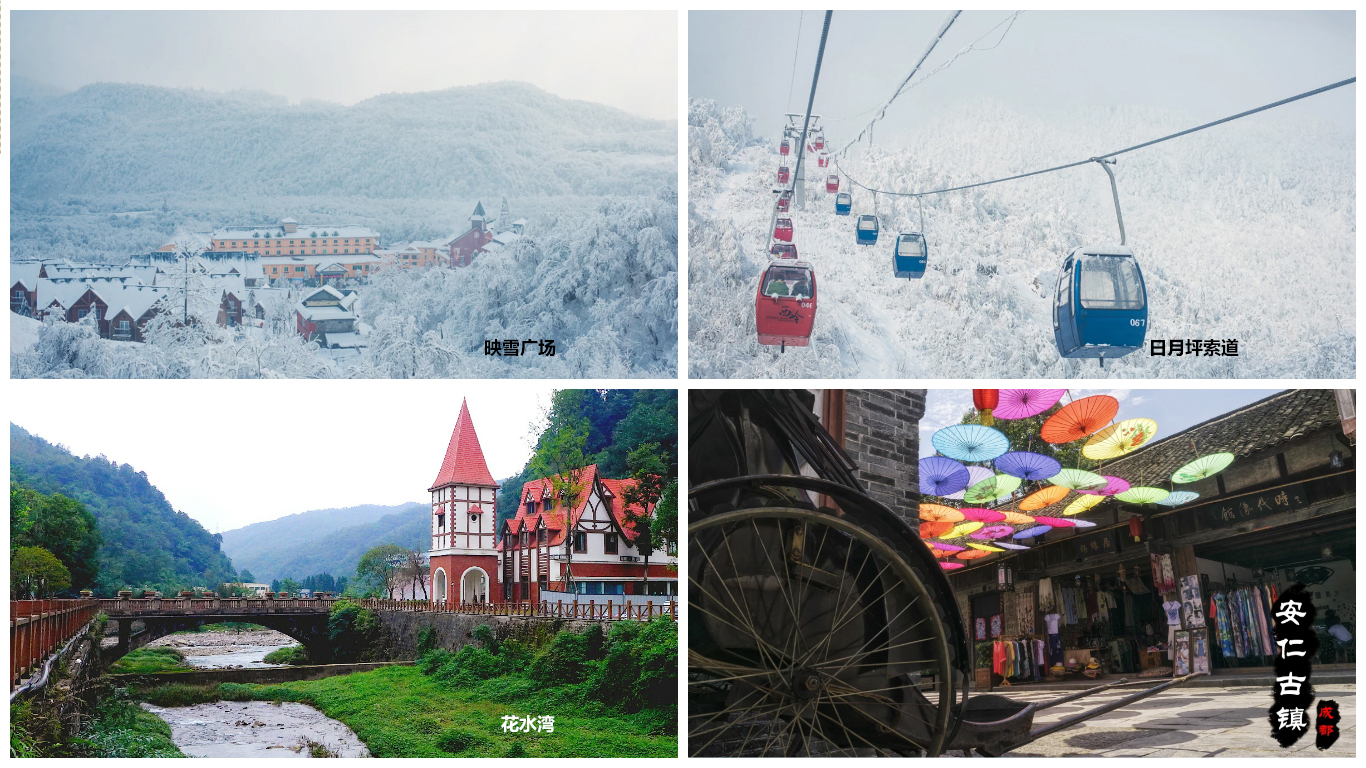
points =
(1184, 722)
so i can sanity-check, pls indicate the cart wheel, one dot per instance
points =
(810, 635)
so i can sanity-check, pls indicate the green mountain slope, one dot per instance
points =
(325, 540)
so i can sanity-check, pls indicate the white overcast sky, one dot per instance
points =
(1205, 64)
(1174, 410)
(625, 59)
(233, 454)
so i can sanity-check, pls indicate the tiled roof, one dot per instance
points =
(555, 518)
(1266, 423)
(464, 463)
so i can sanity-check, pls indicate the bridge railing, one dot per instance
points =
(119, 606)
(39, 627)
(590, 610)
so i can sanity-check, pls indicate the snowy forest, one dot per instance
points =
(108, 171)
(1246, 231)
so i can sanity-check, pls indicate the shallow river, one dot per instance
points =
(256, 729)
(226, 649)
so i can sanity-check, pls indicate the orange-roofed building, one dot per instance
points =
(464, 560)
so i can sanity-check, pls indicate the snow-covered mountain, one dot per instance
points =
(1245, 231)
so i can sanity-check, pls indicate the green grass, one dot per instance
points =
(400, 712)
(120, 728)
(145, 661)
(290, 654)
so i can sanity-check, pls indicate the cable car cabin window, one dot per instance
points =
(1065, 286)
(1110, 282)
(912, 247)
(843, 199)
(867, 224)
(789, 282)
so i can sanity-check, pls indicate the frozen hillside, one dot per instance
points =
(1245, 231)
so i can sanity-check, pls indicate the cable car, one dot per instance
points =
(785, 305)
(843, 204)
(832, 183)
(783, 250)
(782, 229)
(782, 174)
(784, 148)
(1101, 309)
(818, 142)
(784, 201)
(866, 229)
(823, 160)
(910, 255)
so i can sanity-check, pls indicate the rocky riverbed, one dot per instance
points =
(254, 729)
(226, 649)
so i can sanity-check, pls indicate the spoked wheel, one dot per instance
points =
(811, 636)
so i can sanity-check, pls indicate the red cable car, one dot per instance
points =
(782, 230)
(784, 148)
(785, 306)
(832, 183)
(782, 174)
(823, 160)
(783, 250)
(784, 202)
(819, 142)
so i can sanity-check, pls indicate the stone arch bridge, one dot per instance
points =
(304, 620)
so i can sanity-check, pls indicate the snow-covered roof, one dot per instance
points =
(25, 273)
(314, 314)
(349, 340)
(135, 300)
(302, 231)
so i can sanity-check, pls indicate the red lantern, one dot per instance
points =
(985, 400)
(1136, 527)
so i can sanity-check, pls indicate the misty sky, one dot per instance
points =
(1174, 410)
(229, 455)
(627, 60)
(1206, 64)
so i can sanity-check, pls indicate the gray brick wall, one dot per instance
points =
(882, 435)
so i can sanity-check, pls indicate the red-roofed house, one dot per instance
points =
(464, 511)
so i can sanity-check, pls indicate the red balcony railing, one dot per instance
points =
(590, 610)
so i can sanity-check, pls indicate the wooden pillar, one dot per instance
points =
(1183, 562)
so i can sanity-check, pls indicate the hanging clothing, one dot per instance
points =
(1092, 608)
(1025, 613)
(1046, 595)
(998, 656)
(1223, 627)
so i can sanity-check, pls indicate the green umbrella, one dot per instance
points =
(1142, 495)
(1203, 467)
(992, 488)
(1078, 480)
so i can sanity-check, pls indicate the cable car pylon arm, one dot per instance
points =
(1114, 189)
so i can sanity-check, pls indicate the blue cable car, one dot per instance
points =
(843, 204)
(910, 255)
(866, 228)
(1101, 309)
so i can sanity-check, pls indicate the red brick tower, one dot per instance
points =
(464, 562)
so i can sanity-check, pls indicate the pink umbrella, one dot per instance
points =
(1056, 522)
(1023, 403)
(945, 546)
(993, 532)
(1116, 485)
(977, 514)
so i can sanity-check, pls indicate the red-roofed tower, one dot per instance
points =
(464, 512)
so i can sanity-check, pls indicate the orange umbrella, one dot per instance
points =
(932, 529)
(1079, 419)
(972, 554)
(1016, 518)
(938, 513)
(1045, 498)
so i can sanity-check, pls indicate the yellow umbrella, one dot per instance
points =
(1118, 439)
(984, 547)
(1082, 503)
(962, 529)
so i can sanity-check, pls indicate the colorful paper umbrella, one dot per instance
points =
(985, 547)
(1080, 523)
(1027, 466)
(938, 513)
(975, 476)
(945, 546)
(1078, 479)
(1023, 403)
(1044, 498)
(1030, 533)
(1142, 495)
(1079, 418)
(1203, 467)
(1056, 522)
(931, 530)
(1118, 439)
(938, 553)
(993, 532)
(972, 554)
(992, 488)
(1016, 518)
(970, 442)
(962, 529)
(940, 476)
(1177, 498)
(1113, 486)
(982, 515)
(1009, 545)
(1081, 504)
(950, 566)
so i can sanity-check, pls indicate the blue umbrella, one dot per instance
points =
(970, 442)
(941, 476)
(975, 476)
(1008, 545)
(1028, 466)
(1030, 533)
(1177, 498)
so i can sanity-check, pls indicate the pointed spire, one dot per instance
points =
(464, 463)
